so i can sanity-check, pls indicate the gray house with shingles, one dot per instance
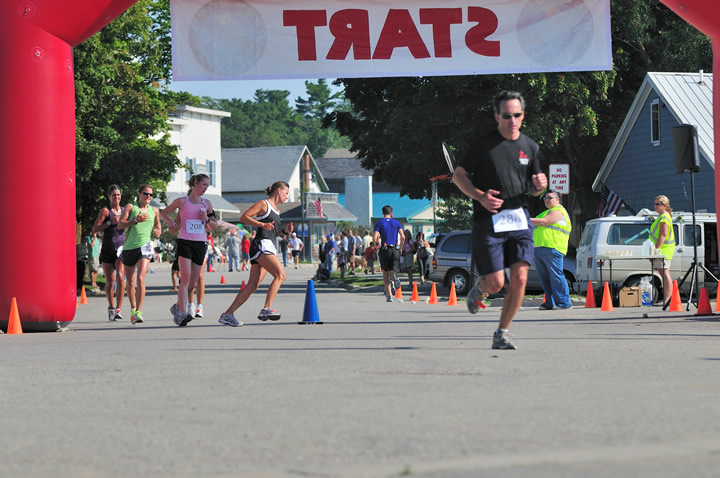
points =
(641, 162)
(248, 171)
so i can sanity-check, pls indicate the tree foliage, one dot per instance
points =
(269, 120)
(122, 109)
(396, 125)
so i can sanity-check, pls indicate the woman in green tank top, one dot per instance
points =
(141, 222)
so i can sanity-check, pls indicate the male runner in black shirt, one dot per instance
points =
(496, 173)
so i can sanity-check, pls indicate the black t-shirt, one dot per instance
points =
(504, 165)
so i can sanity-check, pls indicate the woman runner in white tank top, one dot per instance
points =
(194, 214)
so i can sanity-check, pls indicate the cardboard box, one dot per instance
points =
(630, 297)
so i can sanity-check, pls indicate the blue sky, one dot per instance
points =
(244, 89)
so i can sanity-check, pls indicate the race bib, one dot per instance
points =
(195, 226)
(510, 220)
(146, 249)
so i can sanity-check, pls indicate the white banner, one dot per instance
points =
(256, 39)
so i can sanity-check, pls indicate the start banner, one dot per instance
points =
(256, 39)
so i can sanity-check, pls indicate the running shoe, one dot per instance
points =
(174, 310)
(199, 312)
(396, 280)
(191, 308)
(477, 299)
(545, 307)
(501, 341)
(229, 319)
(268, 314)
(136, 318)
(388, 298)
(118, 314)
(111, 314)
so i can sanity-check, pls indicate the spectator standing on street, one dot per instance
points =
(296, 245)
(388, 233)
(245, 252)
(497, 173)
(284, 243)
(421, 254)
(370, 257)
(408, 255)
(232, 246)
(551, 236)
(330, 253)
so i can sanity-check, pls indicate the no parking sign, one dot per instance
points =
(559, 179)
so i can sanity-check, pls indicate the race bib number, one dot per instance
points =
(510, 220)
(195, 226)
(147, 249)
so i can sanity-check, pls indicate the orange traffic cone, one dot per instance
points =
(433, 295)
(452, 300)
(222, 279)
(414, 297)
(675, 302)
(398, 293)
(14, 326)
(83, 296)
(606, 300)
(703, 307)
(242, 286)
(590, 299)
(717, 299)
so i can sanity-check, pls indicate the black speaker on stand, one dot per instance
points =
(685, 143)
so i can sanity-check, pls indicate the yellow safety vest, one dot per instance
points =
(668, 247)
(555, 236)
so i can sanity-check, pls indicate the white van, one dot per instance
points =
(622, 236)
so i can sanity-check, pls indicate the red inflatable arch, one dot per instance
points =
(37, 147)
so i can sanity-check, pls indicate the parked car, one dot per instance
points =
(452, 263)
(621, 238)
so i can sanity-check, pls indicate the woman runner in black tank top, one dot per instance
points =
(265, 216)
(113, 239)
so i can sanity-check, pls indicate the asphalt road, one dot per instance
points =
(380, 390)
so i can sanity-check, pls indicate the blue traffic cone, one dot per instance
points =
(310, 314)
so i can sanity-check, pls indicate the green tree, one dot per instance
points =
(122, 109)
(454, 214)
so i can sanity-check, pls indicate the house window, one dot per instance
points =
(655, 123)
(211, 172)
(192, 164)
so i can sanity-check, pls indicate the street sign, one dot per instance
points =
(559, 178)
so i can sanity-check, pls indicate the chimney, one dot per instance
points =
(306, 171)
(702, 78)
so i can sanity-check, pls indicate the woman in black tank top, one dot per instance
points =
(265, 216)
(106, 222)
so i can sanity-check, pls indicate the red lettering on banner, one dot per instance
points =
(487, 23)
(399, 31)
(351, 29)
(305, 22)
(441, 19)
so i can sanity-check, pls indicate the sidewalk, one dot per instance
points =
(381, 390)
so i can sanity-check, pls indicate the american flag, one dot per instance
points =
(611, 202)
(318, 207)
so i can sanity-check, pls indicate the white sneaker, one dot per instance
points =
(191, 308)
(229, 319)
(199, 312)
(111, 314)
(268, 313)
(118, 314)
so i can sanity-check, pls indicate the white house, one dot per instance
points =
(196, 132)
